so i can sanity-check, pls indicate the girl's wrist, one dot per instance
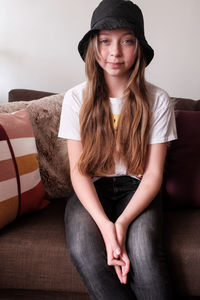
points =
(103, 224)
(123, 222)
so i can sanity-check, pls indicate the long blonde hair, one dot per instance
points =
(101, 143)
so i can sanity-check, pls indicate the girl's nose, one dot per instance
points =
(115, 49)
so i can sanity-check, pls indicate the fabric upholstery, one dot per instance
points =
(38, 253)
(182, 182)
(43, 295)
(26, 95)
(182, 240)
(21, 188)
(34, 248)
(186, 104)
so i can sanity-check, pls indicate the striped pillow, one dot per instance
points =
(21, 189)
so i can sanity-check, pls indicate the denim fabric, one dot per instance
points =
(148, 278)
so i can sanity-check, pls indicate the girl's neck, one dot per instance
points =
(116, 86)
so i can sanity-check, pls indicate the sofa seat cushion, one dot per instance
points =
(42, 295)
(34, 256)
(182, 238)
(33, 253)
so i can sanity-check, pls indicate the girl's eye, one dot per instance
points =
(104, 41)
(128, 42)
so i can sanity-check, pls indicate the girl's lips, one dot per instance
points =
(115, 65)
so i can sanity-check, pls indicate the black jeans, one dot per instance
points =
(148, 278)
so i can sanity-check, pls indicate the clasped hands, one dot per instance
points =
(114, 235)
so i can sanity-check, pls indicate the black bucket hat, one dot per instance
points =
(113, 14)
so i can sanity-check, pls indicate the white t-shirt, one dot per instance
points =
(162, 124)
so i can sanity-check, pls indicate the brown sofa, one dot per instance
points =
(34, 261)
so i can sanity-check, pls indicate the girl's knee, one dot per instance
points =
(87, 253)
(144, 245)
(84, 240)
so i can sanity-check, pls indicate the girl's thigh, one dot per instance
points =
(88, 253)
(84, 239)
(145, 244)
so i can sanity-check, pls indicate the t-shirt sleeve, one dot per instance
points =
(69, 120)
(163, 124)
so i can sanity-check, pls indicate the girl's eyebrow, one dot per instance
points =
(128, 33)
(109, 33)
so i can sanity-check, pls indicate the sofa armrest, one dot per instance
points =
(26, 95)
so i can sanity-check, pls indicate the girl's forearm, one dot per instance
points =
(86, 192)
(83, 185)
(146, 192)
(149, 186)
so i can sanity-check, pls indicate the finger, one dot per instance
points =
(125, 270)
(119, 273)
(126, 267)
(116, 252)
(124, 279)
(111, 261)
(116, 262)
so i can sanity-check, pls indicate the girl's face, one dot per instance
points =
(117, 51)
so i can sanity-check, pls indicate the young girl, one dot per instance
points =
(117, 128)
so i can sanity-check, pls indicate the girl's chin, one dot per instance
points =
(116, 73)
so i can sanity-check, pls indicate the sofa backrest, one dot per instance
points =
(186, 104)
(53, 159)
(26, 95)
(181, 185)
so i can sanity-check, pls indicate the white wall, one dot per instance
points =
(38, 44)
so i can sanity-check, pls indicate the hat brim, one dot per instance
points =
(110, 24)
